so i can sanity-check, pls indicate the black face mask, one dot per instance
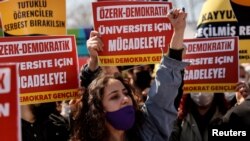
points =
(43, 110)
(142, 79)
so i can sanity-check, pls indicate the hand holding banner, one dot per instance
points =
(132, 32)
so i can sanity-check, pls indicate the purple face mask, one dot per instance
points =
(122, 119)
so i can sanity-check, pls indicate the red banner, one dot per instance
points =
(9, 107)
(48, 66)
(132, 32)
(214, 64)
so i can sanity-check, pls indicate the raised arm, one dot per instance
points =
(161, 112)
(92, 69)
(178, 19)
(176, 45)
(94, 44)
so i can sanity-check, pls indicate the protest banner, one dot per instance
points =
(48, 66)
(214, 64)
(225, 18)
(241, 8)
(82, 61)
(33, 17)
(132, 32)
(10, 128)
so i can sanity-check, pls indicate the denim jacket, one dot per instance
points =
(159, 108)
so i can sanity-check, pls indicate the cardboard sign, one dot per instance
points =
(9, 104)
(132, 32)
(30, 17)
(240, 9)
(214, 64)
(48, 66)
(226, 18)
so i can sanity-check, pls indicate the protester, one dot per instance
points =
(197, 114)
(237, 118)
(43, 122)
(110, 112)
(235, 123)
(232, 97)
(140, 80)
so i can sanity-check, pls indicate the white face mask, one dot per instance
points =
(242, 79)
(65, 110)
(202, 99)
(229, 96)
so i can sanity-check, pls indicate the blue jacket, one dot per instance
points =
(159, 108)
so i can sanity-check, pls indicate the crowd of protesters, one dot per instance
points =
(135, 104)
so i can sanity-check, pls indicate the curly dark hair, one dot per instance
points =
(90, 122)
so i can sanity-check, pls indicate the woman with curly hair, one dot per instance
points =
(109, 111)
